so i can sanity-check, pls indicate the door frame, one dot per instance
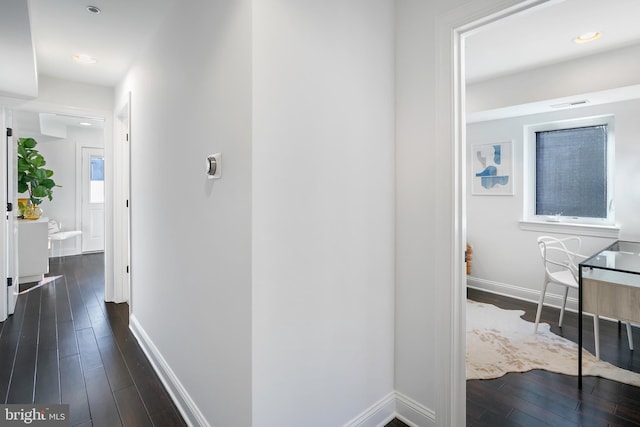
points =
(452, 28)
(11, 229)
(37, 106)
(4, 230)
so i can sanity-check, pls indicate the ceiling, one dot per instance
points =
(541, 36)
(544, 35)
(115, 36)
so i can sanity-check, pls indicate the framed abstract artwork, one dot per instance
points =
(492, 169)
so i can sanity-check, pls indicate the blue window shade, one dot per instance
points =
(97, 169)
(571, 172)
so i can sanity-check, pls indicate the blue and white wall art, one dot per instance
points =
(492, 169)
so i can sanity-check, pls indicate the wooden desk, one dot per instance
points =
(607, 297)
(609, 285)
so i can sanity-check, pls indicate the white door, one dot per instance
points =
(92, 199)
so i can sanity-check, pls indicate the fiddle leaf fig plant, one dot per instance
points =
(33, 177)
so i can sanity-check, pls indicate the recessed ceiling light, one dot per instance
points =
(587, 37)
(93, 9)
(84, 124)
(85, 59)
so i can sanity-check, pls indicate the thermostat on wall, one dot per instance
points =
(214, 166)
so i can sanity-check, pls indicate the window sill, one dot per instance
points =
(608, 231)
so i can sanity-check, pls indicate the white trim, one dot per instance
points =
(395, 405)
(524, 294)
(378, 414)
(183, 401)
(413, 413)
(608, 231)
(449, 276)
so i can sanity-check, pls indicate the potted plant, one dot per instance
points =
(33, 178)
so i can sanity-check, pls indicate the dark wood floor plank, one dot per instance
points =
(396, 423)
(63, 307)
(101, 328)
(152, 392)
(171, 418)
(114, 365)
(78, 309)
(132, 411)
(629, 410)
(47, 386)
(490, 419)
(67, 342)
(21, 388)
(48, 336)
(89, 353)
(9, 346)
(73, 391)
(101, 400)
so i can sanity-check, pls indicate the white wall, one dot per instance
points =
(191, 237)
(268, 293)
(64, 93)
(506, 258)
(323, 168)
(20, 79)
(63, 96)
(415, 341)
(605, 71)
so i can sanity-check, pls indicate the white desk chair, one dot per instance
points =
(57, 235)
(561, 258)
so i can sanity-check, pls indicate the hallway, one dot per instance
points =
(64, 344)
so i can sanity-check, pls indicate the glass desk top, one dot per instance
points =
(620, 256)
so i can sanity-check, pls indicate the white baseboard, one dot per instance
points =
(185, 404)
(395, 405)
(378, 414)
(413, 413)
(526, 294)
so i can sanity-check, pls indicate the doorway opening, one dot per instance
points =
(73, 144)
(480, 132)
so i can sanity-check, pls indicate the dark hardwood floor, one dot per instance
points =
(541, 398)
(396, 423)
(64, 344)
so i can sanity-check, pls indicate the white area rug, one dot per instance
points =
(499, 341)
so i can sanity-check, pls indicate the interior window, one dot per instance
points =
(96, 189)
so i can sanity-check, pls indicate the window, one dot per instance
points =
(571, 173)
(96, 176)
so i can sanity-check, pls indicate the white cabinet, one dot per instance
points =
(33, 249)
